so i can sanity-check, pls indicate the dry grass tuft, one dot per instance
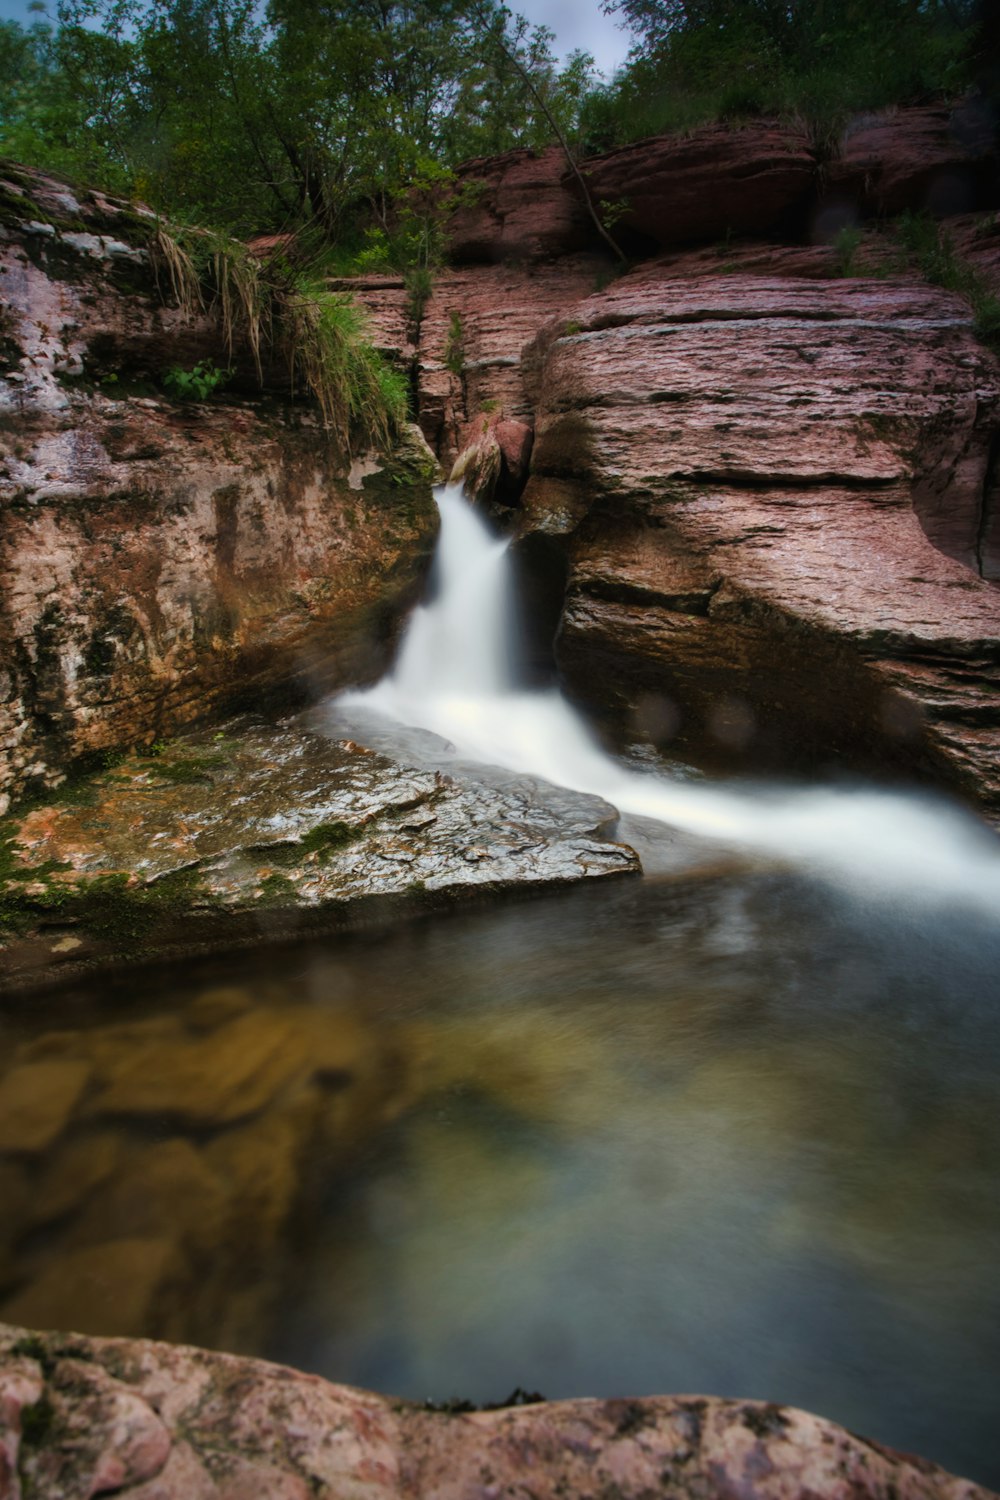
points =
(271, 307)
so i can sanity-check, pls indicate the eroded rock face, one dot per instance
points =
(158, 560)
(774, 493)
(161, 1423)
(474, 328)
(937, 159)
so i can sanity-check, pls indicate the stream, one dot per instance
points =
(728, 1130)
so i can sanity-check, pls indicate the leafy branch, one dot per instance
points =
(492, 35)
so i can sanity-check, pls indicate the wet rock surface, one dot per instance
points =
(159, 561)
(249, 830)
(82, 1417)
(775, 536)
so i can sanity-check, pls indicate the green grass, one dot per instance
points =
(278, 310)
(932, 252)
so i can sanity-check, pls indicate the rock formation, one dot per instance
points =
(259, 830)
(160, 561)
(775, 485)
(776, 542)
(84, 1417)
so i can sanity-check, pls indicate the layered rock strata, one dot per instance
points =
(161, 560)
(719, 182)
(85, 1417)
(773, 492)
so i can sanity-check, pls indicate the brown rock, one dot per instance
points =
(518, 207)
(710, 183)
(76, 1170)
(939, 159)
(493, 457)
(158, 560)
(167, 1191)
(770, 503)
(238, 1428)
(121, 1286)
(205, 1081)
(36, 1102)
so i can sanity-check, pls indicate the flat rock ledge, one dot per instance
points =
(260, 830)
(83, 1417)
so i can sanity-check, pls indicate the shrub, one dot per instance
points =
(198, 383)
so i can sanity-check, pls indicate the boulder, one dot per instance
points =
(168, 1423)
(228, 836)
(493, 457)
(776, 538)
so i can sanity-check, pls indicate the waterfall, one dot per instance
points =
(455, 676)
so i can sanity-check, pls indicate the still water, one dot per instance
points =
(735, 1135)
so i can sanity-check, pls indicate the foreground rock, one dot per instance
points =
(238, 835)
(776, 499)
(84, 1417)
(162, 561)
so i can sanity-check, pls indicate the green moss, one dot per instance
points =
(188, 771)
(325, 838)
(454, 348)
(277, 890)
(107, 907)
(31, 1347)
(37, 1422)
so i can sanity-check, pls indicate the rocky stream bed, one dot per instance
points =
(753, 496)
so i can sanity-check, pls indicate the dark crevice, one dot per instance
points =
(987, 503)
(618, 591)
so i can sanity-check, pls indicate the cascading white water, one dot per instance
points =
(455, 678)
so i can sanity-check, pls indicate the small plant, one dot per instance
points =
(845, 248)
(198, 383)
(611, 211)
(454, 347)
(933, 251)
(275, 308)
(419, 281)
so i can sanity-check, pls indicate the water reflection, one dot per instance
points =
(738, 1138)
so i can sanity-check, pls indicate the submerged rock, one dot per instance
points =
(239, 835)
(80, 1417)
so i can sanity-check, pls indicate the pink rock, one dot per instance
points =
(493, 457)
(785, 534)
(714, 181)
(518, 207)
(157, 559)
(937, 158)
(240, 1429)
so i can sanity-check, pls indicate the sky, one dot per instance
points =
(576, 23)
